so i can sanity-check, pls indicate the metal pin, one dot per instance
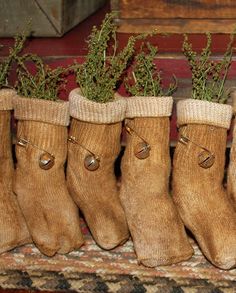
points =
(128, 129)
(72, 139)
(46, 160)
(91, 161)
(142, 149)
(205, 158)
(184, 140)
(22, 142)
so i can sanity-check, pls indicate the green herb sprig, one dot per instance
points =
(208, 75)
(99, 75)
(41, 82)
(5, 65)
(145, 79)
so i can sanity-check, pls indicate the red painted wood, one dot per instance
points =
(73, 43)
(168, 67)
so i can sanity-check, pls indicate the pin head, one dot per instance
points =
(91, 162)
(22, 142)
(46, 161)
(142, 150)
(184, 140)
(206, 159)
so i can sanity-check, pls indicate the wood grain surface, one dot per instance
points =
(177, 8)
(175, 16)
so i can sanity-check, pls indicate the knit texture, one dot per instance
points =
(233, 97)
(6, 96)
(203, 112)
(202, 202)
(86, 110)
(156, 229)
(13, 230)
(96, 192)
(231, 182)
(149, 107)
(41, 110)
(51, 215)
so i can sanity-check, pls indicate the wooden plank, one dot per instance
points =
(177, 26)
(177, 8)
(76, 11)
(48, 18)
(115, 5)
(14, 16)
(73, 44)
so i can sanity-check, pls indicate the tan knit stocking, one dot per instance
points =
(156, 228)
(13, 230)
(96, 128)
(199, 162)
(231, 182)
(51, 215)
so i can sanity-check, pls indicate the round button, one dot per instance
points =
(142, 150)
(91, 163)
(46, 161)
(206, 159)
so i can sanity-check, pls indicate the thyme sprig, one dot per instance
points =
(101, 72)
(208, 75)
(38, 80)
(5, 65)
(145, 78)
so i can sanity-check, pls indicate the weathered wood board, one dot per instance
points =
(175, 16)
(48, 18)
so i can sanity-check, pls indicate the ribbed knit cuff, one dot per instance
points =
(203, 112)
(86, 110)
(233, 96)
(149, 107)
(6, 96)
(54, 112)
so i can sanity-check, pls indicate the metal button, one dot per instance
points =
(206, 159)
(46, 161)
(142, 150)
(91, 162)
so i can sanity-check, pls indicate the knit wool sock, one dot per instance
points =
(231, 180)
(13, 229)
(158, 233)
(96, 128)
(198, 171)
(51, 215)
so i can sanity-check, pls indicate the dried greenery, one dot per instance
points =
(38, 80)
(208, 75)
(5, 65)
(101, 72)
(145, 79)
